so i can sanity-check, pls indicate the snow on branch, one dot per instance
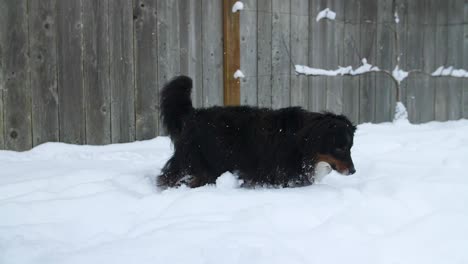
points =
(398, 74)
(326, 13)
(450, 71)
(397, 18)
(364, 68)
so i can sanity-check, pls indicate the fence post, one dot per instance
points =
(231, 53)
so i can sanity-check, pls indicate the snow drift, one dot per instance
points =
(407, 203)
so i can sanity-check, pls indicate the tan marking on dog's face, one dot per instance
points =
(336, 164)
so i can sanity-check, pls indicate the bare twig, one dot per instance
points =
(287, 51)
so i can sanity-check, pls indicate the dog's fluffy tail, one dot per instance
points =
(176, 104)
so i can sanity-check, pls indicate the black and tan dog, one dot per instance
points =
(262, 146)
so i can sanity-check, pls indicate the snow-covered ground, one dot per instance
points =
(407, 203)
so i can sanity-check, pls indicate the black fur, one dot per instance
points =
(263, 146)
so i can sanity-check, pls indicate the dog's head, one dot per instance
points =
(329, 138)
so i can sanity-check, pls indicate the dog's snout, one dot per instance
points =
(352, 171)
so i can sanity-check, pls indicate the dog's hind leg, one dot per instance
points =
(171, 174)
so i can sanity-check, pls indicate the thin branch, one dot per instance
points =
(287, 51)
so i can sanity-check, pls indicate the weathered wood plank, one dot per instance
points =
(121, 71)
(351, 57)
(70, 72)
(415, 60)
(231, 53)
(43, 52)
(441, 44)
(401, 8)
(248, 52)
(212, 39)
(368, 50)
(334, 51)
(168, 40)
(280, 62)
(2, 139)
(96, 71)
(2, 88)
(168, 43)
(465, 62)
(454, 48)
(146, 69)
(386, 59)
(428, 83)
(191, 46)
(317, 56)
(299, 51)
(3, 70)
(15, 65)
(264, 53)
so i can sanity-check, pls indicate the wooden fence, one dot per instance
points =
(89, 72)
(431, 33)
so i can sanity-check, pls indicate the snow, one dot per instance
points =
(228, 181)
(399, 74)
(401, 114)
(407, 203)
(322, 169)
(397, 18)
(238, 5)
(450, 71)
(326, 13)
(364, 68)
(239, 74)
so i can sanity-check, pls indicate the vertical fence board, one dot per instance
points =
(43, 53)
(454, 58)
(299, 51)
(401, 8)
(415, 60)
(168, 40)
(146, 69)
(334, 51)
(280, 61)
(441, 43)
(428, 84)
(465, 62)
(248, 54)
(385, 88)
(96, 71)
(212, 39)
(70, 72)
(121, 71)
(368, 50)
(351, 57)
(3, 24)
(231, 53)
(191, 46)
(17, 92)
(317, 56)
(264, 73)
(168, 43)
